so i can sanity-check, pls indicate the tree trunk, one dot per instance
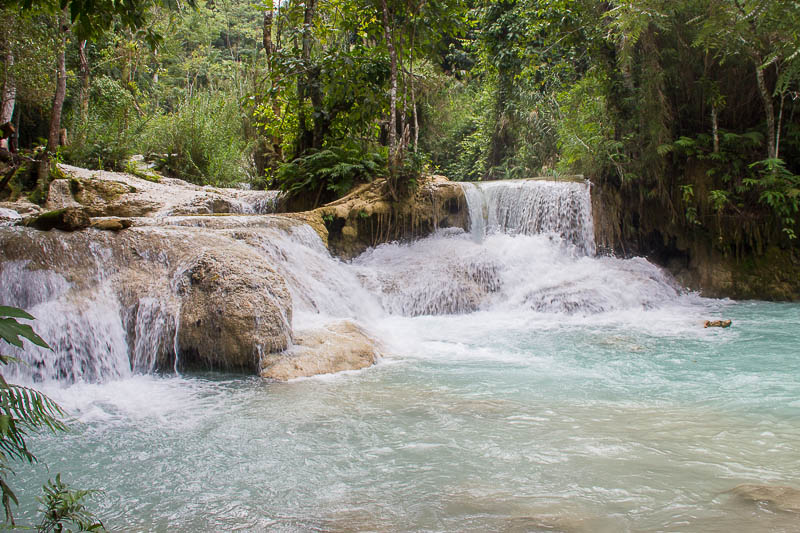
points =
(305, 138)
(84, 72)
(266, 35)
(387, 33)
(43, 170)
(269, 150)
(778, 129)
(61, 87)
(9, 96)
(715, 128)
(766, 100)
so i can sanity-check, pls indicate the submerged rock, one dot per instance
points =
(782, 498)
(333, 348)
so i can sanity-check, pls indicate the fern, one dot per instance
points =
(24, 410)
(336, 169)
(62, 505)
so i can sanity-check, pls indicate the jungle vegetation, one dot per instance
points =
(688, 105)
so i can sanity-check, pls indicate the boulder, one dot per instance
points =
(336, 347)
(234, 309)
(111, 223)
(717, 324)
(782, 498)
(66, 219)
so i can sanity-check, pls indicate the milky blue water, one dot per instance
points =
(638, 421)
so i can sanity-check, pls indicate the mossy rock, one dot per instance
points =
(67, 219)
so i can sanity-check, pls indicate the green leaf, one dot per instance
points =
(13, 332)
(14, 312)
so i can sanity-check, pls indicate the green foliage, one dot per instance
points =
(13, 332)
(411, 168)
(201, 142)
(336, 169)
(454, 133)
(586, 133)
(780, 190)
(110, 134)
(24, 410)
(743, 183)
(63, 507)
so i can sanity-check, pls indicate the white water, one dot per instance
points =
(526, 386)
(532, 207)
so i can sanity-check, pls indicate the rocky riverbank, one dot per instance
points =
(191, 270)
(627, 225)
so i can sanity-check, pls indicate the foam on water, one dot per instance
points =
(449, 273)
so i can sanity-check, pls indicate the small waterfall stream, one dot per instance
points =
(532, 207)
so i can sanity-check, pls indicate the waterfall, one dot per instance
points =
(112, 305)
(532, 207)
(514, 259)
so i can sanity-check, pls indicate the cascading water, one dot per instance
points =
(532, 207)
(531, 246)
(526, 384)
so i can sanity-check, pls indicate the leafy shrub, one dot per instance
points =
(743, 183)
(586, 129)
(202, 142)
(24, 410)
(108, 137)
(336, 169)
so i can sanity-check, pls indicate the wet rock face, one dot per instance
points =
(625, 226)
(233, 311)
(333, 348)
(185, 277)
(154, 297)
(366, 217)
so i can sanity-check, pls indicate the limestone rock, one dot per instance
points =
(783, 498)
(366, 217)
(22, 206)
(207, 204)
(119, 194)
(66, 219)
(111, 223)
(234, 309)
(717, 324)
(59, 195)
(9, 217)
(333, 348)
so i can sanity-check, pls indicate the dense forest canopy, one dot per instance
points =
(688, 104)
